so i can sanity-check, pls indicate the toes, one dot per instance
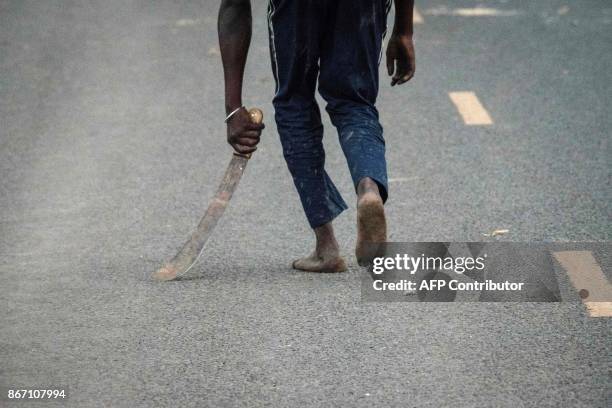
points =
(320, 265)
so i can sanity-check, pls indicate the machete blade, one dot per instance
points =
(192, 250)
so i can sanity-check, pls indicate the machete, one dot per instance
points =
(191, 251)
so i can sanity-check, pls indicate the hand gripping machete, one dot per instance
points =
(191, 251)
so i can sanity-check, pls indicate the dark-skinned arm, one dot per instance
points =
(234, 28)
(400, 50)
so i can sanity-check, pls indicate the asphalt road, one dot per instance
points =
(112, 142)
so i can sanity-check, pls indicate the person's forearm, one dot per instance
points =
(403, 17)
(234, 27)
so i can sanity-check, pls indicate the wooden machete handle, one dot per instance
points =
(256, 116)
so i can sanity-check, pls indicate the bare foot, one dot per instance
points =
(371, 221)
(326, 256)
(316, 263)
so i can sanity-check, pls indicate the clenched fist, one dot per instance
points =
(242, 133)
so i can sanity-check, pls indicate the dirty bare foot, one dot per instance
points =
(316, 263)
(326, 256)
(371, 221)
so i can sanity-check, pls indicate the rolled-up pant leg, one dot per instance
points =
(295, 34)
(350, 56)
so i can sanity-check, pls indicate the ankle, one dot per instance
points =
(327, 248)
(367, 187)
(326, 240)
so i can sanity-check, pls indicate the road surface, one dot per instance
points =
(112, 143)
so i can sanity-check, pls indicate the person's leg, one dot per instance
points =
(348, 81)
(326, 256)
(371, 220)
(294, 47)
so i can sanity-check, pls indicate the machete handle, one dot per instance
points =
(256, 116)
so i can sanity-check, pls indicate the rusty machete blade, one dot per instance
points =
(191, 251)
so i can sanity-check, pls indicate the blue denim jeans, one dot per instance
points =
(338, 43)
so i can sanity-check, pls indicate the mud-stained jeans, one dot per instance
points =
(338, 43)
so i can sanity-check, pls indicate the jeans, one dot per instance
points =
(338, 43)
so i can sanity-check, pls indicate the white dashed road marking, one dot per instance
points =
(471, 12)
(470, 108)
(417, 18)
(589, 280)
